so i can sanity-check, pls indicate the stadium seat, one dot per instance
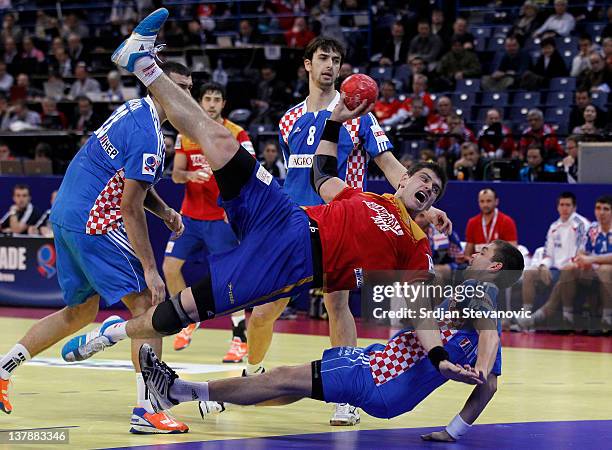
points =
(595, 29)
(562, 84)
(501, 31)
(559, 98)
(496, 44)
(480, 44)
(401, 74)
(526, 99)
(600, 99)
(481, 32)
(468, 85)
(556, 115)
(519, 115)
(497, 99)
(567, 43)
(481, 115)
(381, 73)
(568, 57)
(464, 100)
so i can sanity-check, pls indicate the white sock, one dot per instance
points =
(237, 318)
(568, 313)
(13, 359)
(188, 391)
(116, 332)
(143, 394)
(254, 369)
(147, 70)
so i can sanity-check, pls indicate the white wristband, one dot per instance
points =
(457, 427)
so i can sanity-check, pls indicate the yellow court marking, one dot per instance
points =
(536, 385)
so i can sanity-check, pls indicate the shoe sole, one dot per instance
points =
(343, 423)
(141, 429)
(5, 410)
(233, 361)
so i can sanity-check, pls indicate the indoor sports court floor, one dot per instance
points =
(555, 392)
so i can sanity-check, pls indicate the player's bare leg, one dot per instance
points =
(604, 273)
(567, 292)
(259, 332)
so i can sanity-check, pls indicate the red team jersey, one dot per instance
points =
(200, 200)
(365, 231)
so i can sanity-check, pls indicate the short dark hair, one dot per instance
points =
(435, 168)
(567, 194)
(211, 86)
(169, 67)
(548, 41)
(538, 148)
(585, 37)
(425, 21)
(583, 89)
(606, 199)
(512, 263)
(21, 187)
(325, 44)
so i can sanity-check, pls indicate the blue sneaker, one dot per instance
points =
(85, 346)
(141, 42)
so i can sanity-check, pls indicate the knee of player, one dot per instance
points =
(261, 318)
(169, 317)
(604, 272)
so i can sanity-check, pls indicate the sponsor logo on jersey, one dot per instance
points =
(382, 141)
(264, 176)
(300, 161)
(384, 219)
(150, 163)
(359, 277)
(108, 147)
(199, 161)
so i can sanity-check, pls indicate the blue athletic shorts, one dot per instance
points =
(274, 258)
(201, 236)
(103, 264)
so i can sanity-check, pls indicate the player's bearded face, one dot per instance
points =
(213, 103)
(323, 68)
(419, 191)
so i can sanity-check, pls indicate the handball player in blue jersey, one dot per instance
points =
(385, 380)
(101, 239)
(361, 139)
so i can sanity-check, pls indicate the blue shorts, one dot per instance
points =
(103, 264)
(201, 236)
(274, 258)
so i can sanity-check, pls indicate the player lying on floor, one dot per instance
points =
(293, 249)
(364, 377)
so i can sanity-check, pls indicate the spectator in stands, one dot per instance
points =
(326, 17)
(83, 85)
(461, 33)
(51, 118)
(582, 100)
(270, 160)
(32, 59)
(5, 152)
(416, 121)
(10, 28)
(589, 127)
(582, 61)
(6, 79)
(455, 134)
(299, 35)
(23, 90)
(441, 28)
(21, 118)
(438, 122)
(536, 168)
(10, 55)
(396, 49)
(606, 47)
(495, 139)
(346, 70)
(489, 225)
(114, 93)
(73, 26)
(299, 85)
(419, 91)
(61, 62)
(272, 93)
(76, 50)
(4, 111)
(54, 87)
(527, 22)
(388, 104)
(247, 34)
(43, 152)
(22, 213)
(85, 118)
(470, 166)
(569, 164)
(417, 67)
(549, 65)
(598, 77)
(46, 27)
(561, 23)
(458, 63)
(195, 35)
(607, 31)
(43, 226)
(541, 135)
(425, 44)
(563, 241)
(510, 69)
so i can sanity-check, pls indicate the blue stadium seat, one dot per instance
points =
(480, 44)
(496, 44)
(468, 85)
(481, 32)
(595, 29)
(567, 43)
(556, 115)
(402, 73)
(568, 57)
(526, 99)
(501, 30)
(464, 100)
(381, 73)
(556, 98)
(562, 84)
(481, 115)
(519, 114)
(600, 99)
(497, 99)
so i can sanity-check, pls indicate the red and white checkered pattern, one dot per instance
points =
(356, 162)
(290, 117)
(105, 215)
(401, 353)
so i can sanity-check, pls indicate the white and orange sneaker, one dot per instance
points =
(237, 351)
(183, 339)
(5, 404)
(155, 423)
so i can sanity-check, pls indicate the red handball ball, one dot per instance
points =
(357, 88)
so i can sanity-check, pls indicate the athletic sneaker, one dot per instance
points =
(157, 423)
(5, 404)
(158, 377)
(183, 339)
(210, 407)
(259, 371)
(345, 415)
(237, 352)
(141, 42)
(84, 346)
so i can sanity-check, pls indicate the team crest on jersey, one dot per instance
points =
(150, 163)
(384, 219)
(199, 160)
